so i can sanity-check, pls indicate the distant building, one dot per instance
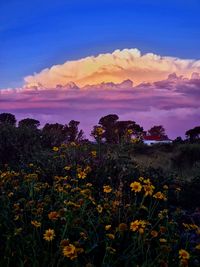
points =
(151, 140)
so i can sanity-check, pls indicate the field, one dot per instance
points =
(84, 204)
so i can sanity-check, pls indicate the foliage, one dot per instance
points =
(90, 207)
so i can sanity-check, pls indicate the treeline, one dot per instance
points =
(20, 141)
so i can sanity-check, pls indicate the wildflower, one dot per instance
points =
(110, 236)
(111, 250)
(178, 189)
(82, 174)
(18, 231)
(55, 149)
(107, 227)
(10, 194)
(163, 240)
(138, 225)
(148, 189)
(89, 184)
(198, 231)
(147, 181)
(129, 131)
(183, 254)
(99, 131)
(94, 154)
(165, 187)
(36, 223)
(67, 168)
(163, 229)
(141, 179)
(70, 251)
(163, 213)
(107, 189)
(159, 195)
(99, 209)
(198, 247)
(122, 227)
(154, 233)
(53, 215)
(136, 187)
(72, 204)
(83, 235)
(49, 235)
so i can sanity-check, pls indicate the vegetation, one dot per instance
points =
(66, 201)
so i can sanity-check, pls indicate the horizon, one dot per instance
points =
(81, 61)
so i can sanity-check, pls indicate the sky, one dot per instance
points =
(62, 60)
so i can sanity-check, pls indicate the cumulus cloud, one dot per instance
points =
(113, 67)
(173, 102)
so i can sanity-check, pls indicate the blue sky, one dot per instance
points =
(37, 34)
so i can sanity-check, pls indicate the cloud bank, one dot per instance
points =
(172, 102)
(113, 67)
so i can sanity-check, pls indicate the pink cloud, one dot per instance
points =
(173, 102)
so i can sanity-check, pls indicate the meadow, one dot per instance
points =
(84, 204)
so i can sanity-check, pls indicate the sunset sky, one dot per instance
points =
(63, 60)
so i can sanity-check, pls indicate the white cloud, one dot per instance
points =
(113, 67)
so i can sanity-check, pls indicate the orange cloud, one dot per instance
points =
(113, 67)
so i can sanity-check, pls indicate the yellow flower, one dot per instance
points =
(129, 131)
(165, 187)
(53, 215)
(70, 251)
(99, 131)
(198, 247)
(163, 240)
(148, 189)
(107, 227)
(136, 187)
(36, 223)
(111, 236)
(55, 149)
(141, 179)
(138, 225)
(67, 168)
(82, 175)
(94, 154)
(154, 233)
(49, 235)
(159, 195)
(183, 254)
(99, 209)
(10, 194)
(107, 189)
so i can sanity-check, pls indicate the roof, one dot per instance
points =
(155, 138)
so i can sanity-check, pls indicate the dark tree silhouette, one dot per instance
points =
(108, 124)
(54, 134)
(31, 123)
(157, 130)
(193, 134)
(116, 131)
(73, 133)
(7, 118)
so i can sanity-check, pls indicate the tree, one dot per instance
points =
(54, 134)
(115, 131)
(28, 122)
(193, 134)
(7, 118)
(73, 133)
(108, 124)
(126, 129)
(157, 130)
